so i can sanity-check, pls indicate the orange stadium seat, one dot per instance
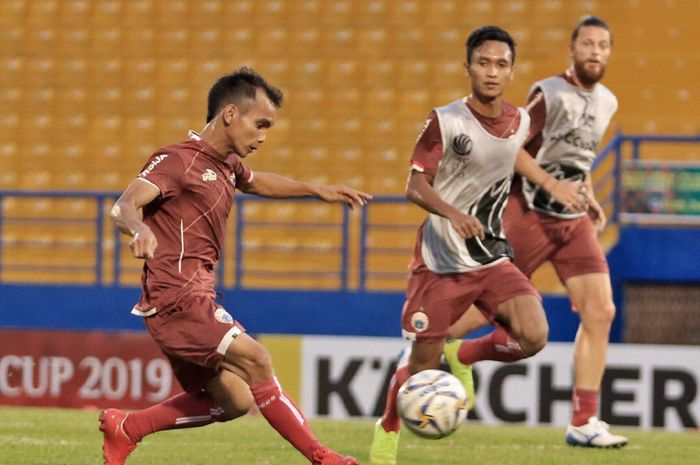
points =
(310, 72)
(336, 39)
(208, 38)
(42, 11)
(140, 40)
(342, 72)
(13, 12)
(73, 40)
(90, 89)
(305, 41)
(273, 43)
(172, 11)
(373, 12)
(12, 37)
(9, 178)
(447, 43)
(106, 12)
(371, 42)
(139, 12)
(441, 12)
(138, 71)
(74, 10)
(336, 11)
(406, 12)
(11, 95)
(108, 39)
(234, 14)
(72, 71)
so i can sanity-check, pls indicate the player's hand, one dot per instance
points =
(143, 244)
(597, 215)
(570, 194)
(467, 225)
(345, 194)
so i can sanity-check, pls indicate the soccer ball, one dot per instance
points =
(432, 404)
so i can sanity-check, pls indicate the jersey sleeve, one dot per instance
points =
(537, 110)
(428, 150)
(242, 173)
(165, 171)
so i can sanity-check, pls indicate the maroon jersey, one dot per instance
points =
(189, 217)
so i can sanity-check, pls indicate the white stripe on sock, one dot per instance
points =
(196, 419)
(296, 413)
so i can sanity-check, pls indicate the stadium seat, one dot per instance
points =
(9, 178)
(336, 11)
(9, 124)
(371, 11)
(308, 71)
(444, 12)
(11, 37)
(273, 43)
(360, 76)
(371, 42)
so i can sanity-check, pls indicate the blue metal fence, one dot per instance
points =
(103, 251)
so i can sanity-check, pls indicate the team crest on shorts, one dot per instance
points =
(419, 321)
(223, 316)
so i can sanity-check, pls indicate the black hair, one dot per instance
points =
(241, 84)
(590, 21)
(481, 35)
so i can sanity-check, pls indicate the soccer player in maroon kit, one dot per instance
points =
(461, 169)
(570, 114)
(176, 212)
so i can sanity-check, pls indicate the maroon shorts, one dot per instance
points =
(194, 334)
(435, 301)
(570, 245)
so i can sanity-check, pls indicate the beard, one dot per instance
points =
(586, 76)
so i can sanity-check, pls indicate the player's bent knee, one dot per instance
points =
(600, 315)
(261, 362)
(252, 362)
(531, 346)
(535, 339)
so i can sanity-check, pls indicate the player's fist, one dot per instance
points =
(143, 244)
(466, 225)
(570, 194)
(597, 215)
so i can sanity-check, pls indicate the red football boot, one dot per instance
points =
(117, 444)
(326, 456)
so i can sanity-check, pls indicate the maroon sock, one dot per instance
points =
(584, 405)
(184, 410)
(497, 345)
(285, 417)
(390, 419)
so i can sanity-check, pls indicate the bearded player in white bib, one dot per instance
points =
(461, 171)
(570, 114)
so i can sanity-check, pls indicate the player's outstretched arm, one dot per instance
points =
(273, 185)
(421, 192)
(127, 216)
(570, 194)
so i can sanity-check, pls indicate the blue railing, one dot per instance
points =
(607, 175)
(345, 262)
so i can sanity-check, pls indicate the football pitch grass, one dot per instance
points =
(33, 436)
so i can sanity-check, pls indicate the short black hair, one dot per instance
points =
(481, 35)
(241, 84)
(590, 21)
